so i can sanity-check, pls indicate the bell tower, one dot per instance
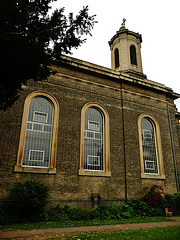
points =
(125, 48)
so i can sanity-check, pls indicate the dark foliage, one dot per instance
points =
(28, 199)
(141, 208)
(136, 208)
(173, 201)
(58, 214)
(65, 213)
(154, 196)
(25, 36)
(107, 212)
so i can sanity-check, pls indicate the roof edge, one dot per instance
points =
(117, 75)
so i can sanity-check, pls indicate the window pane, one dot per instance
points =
(40, 116)
(90, 134)
(37, 127)
(93, 160)
(93, 140)
(36, 155)
(92, 125)
(149, 146)
(37, 147)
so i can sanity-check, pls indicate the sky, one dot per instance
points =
(156, 20)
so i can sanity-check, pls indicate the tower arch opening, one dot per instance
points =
(116, 57)
(133, 55)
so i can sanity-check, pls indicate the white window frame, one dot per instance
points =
(37, 124)
(31, 150)
(148, 168)
(93, 122)
(32, 127)
(43, 113)
(88, 160)
(94, 135)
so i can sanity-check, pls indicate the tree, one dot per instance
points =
(27, 30)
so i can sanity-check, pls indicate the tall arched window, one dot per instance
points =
(38, 134)
(38, 140)
(150, 148)
(116, 56)
(94, 141)
(133, 55)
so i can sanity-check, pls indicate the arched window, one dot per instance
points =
(38, 134)
(94, 141)
(116, 55)
(150, 148)
(133, 55)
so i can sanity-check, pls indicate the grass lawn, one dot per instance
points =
(167, 233)
(56, 224)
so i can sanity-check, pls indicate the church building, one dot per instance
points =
(96, 135)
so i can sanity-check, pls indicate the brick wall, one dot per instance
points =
(73, 89)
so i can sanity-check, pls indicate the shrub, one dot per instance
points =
(142, 209)
(154, 197)
(66, 213)
(126, 211)
(29, 198)
(136, 208)
(173, 201)
(107, 212)
(79, 214)
(58, 214)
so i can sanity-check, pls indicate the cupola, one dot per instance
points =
(125, 48)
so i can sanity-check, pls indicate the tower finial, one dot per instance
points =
(123, 23)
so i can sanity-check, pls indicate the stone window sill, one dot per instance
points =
(151, 176)
(21, 169)
(82, 172)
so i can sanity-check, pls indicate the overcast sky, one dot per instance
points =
(158, 22)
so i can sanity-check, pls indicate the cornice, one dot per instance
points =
(122, 31)
(128, 77)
